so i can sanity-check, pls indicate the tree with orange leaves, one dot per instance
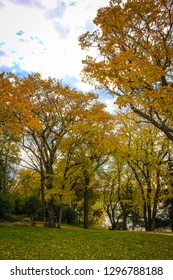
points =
(134, 57)
(57, 115)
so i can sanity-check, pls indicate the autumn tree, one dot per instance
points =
(9, 157)
(94, 150)
(15, 102)
(132, 57)
(147, 153)
(47, 114)
(55, 114)
(54, 109)
(7, 99)
(118, 187)
(84, 149)
(15, 105)
(27, 183)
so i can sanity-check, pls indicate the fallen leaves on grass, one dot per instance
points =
(45, 243)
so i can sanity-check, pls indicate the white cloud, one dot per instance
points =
(110, 106)
(42, 36)
(29, 3)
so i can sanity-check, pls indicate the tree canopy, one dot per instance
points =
(133, 57)
(72, 150)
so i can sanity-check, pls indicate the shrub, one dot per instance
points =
(71, 215)
(7, 205)
(32, 205)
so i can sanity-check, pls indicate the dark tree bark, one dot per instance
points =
(60, 216)
(51, 219)
(86, 208)
(42, 186)
(86, 200)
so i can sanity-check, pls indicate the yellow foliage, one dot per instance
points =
(134, 57)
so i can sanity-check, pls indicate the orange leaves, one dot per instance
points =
(60, 128)
(134, 55)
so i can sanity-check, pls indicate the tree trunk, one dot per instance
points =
(145, 215)
(51, 219)
(86, 199)
(49, 186)
(42, 185)
(113, 226)
(125, 215)
(150, 222)
(86, 208)
(156, 200)
(60, 216)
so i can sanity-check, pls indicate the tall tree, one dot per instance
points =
(56, 113)
(9, 157)
(84, 149)
(15, 102)
(147, 153)
(55, 108)
(94, 150)
(10, 103)
(134, 57)
(117, 183)
(27, 183)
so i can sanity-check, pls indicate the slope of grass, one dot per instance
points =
(17, 243)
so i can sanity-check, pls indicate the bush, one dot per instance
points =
(69, 216)
(19, 205)
(32, 205)
(7, 205)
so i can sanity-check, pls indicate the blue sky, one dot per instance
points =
(42, 36)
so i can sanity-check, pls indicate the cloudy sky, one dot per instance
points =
(42, 36)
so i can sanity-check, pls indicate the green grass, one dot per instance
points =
(38, 243)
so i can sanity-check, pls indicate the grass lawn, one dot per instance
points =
(72, 243)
